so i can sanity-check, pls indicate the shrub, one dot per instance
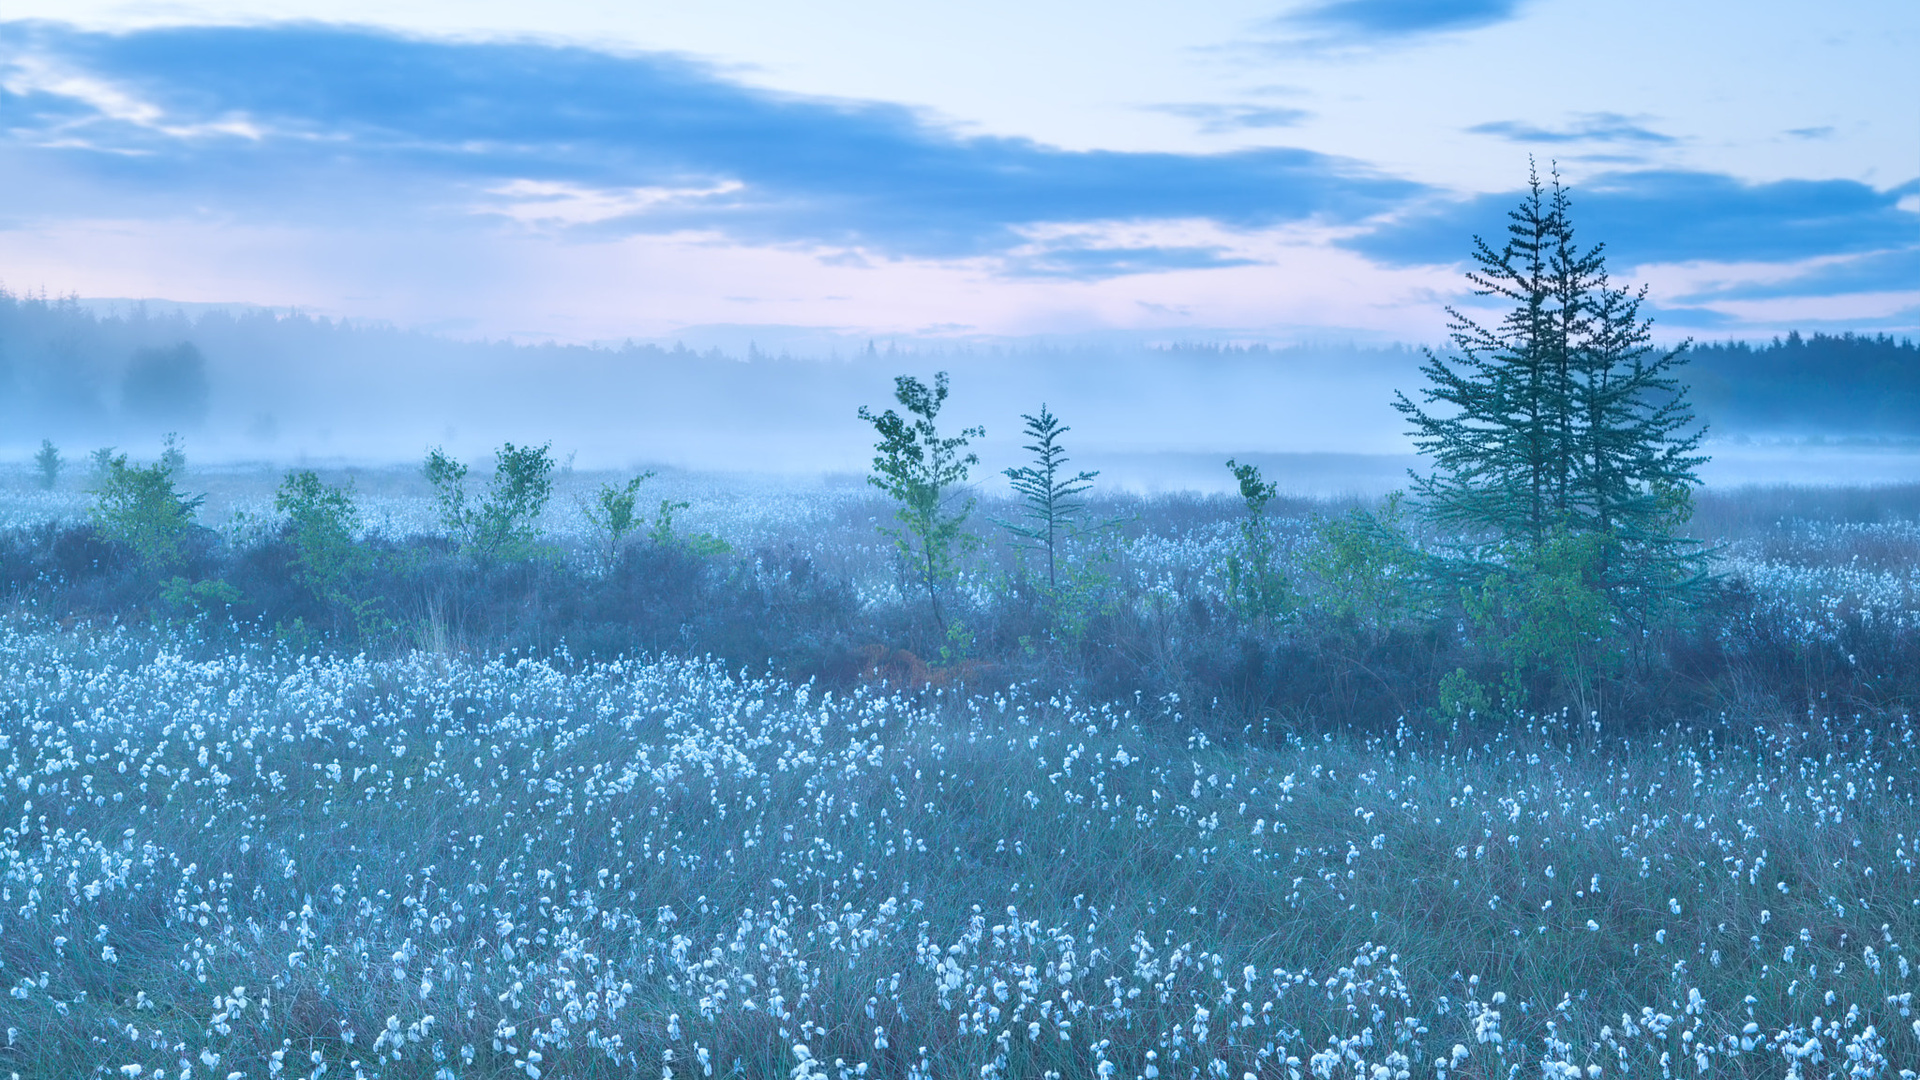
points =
(1371, 577)
(329, 559)
(1545, 617)
(1256, 585)
(611, 513)
(505, 526)
(920, 469)
(140, 507)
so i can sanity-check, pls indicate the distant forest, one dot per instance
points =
(1826, 383)
(72, 372)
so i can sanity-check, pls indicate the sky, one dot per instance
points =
(1288, 171)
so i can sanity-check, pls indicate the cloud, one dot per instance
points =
(1374, 20)
(1658, 216)
(1881, 271)
(1588, 127)
(1216, 119)
(1825, 131)
(305, 124)
(1106, 262)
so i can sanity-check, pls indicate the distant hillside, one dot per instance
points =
(1826, 383)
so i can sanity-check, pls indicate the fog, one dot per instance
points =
(252, 386)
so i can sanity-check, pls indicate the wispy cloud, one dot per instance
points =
(1881, 271)
(1390, 20)
(1600, 127)
(1104, 262)
(1220, 119)
(305, 123)
(1656, 216)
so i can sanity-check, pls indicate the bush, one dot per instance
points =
(506, 525)
(611, 513)
(141, 508)
(920, 469)
(1255, 583)
(323, 525)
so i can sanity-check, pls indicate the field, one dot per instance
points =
(230, 852)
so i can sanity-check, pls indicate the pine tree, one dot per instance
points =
(1564, 453)
(1050, 500)
(1636, 449)
(1497, 439)
(48, 463)
(1563, 419)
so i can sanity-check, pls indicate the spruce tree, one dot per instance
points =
(1050, 499)
(1562, 420)
(1493, 418)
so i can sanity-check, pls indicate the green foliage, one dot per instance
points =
(1463, 697)
(516, 496)
(1371, 576)
(919, 468)
(324, 526)
(1548, 620)
(1085, 591)
(1563, 445)
(1050, 500)
(448, 478)
(611, 513)
(1256, 586)
(140, 507)
(1254, 491)
(48, 463)
(661, 532)
(172, 454)
(506, 523)
(1562, 418)
(198, 599)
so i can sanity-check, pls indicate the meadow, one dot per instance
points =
(467, 849)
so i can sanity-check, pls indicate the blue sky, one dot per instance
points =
(1285, 172)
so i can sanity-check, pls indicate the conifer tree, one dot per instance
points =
(1562, 420)
(1493, 418)
(1050, 500)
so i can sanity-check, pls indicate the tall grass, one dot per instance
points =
(275, 865)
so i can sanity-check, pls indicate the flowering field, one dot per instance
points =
(265, 865)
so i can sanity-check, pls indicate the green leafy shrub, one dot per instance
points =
(506, 524)
(920, 469)
(1371, 576)
(661, 533)
(1549, 621)
(209, 596)
(1256, 586)
(140, 507)
(611, 513)
(324, 526)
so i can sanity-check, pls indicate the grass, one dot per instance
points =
(261, 863)
(224, 854)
